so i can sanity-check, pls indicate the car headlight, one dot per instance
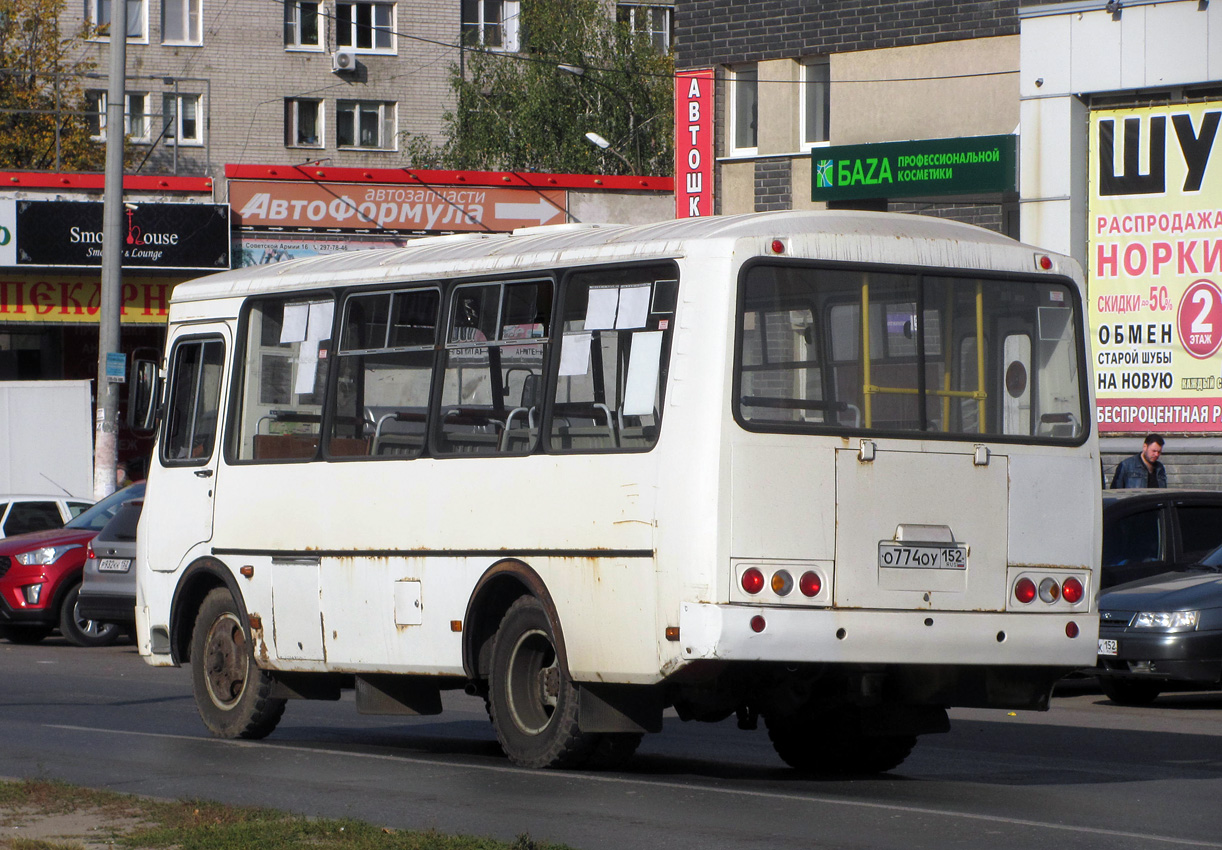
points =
(1166, 620)
(45, 555)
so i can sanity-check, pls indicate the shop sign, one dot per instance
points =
(258, 249)
(972, 165)
(693, 143)
(73, 299)
(8, 231)
(303, 206)
(1155, 286)
(158, 236)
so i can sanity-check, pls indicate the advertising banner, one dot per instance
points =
(304, 206)
(694, 143)
(74, 299)
(1155, 282)
(970, 165)
(159, 236)
(259, 249)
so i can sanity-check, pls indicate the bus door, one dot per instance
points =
(178, 508)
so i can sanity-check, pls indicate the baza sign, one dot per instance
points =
(966, 166)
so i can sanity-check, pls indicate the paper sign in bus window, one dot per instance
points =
(601, 307)
(643, 369)
(633, 306)
(307, 368)
(575, 354)
(296, 320)
(319, 327)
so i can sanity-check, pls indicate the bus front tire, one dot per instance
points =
(532, 700)
(231, 692)
(815, 743)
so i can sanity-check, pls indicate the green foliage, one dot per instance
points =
(521, 112)
(39, 92)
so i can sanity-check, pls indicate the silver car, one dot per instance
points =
(108, 590)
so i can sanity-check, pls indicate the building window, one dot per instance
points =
(816, 102)
(301, 25)
(744, 86)
(493, 24)
(653, 21)
(303, 123)
(135, 115)
(365, 124)
(180, 114)
(99, 15)
(365, 26)
(180, 22)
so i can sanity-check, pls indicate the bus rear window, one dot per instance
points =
(893, 352)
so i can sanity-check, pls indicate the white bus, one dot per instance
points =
(835, 470)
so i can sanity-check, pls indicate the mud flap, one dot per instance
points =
(618, 708)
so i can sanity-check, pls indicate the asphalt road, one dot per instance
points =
(1087, 774)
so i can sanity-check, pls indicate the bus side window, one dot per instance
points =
(193, 401)
(384, 374)
(496, 345)
(615, 345)
(284, 377)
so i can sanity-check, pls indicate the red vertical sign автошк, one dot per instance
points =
(694, 143)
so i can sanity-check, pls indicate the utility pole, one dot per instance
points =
(106, 416)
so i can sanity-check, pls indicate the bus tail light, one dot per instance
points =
(1024, 590)
(782, 583)
(753, 581)
(758, 623)
(1072, 590)
(1050, 590)
(1071, 629)
(810, 584)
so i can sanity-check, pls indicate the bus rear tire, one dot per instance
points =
(232, 694)
(532, 700)
(815, 743)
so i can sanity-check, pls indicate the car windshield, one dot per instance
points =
(1213, 559)
(96, 517)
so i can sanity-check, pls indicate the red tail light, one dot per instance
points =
(1024, 590)
(810, 584)
(89, 552)
(1072, 590)
(753, 580)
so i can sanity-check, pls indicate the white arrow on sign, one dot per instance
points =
(540, 211)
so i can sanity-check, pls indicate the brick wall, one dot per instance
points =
(988, 216)
(713, 32)
(773, 184)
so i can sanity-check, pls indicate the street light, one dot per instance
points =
(597, 140)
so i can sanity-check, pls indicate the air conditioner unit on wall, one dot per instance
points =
(343, 60)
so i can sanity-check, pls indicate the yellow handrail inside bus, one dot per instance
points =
(946, 393)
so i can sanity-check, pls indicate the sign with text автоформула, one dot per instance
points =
(971, 165)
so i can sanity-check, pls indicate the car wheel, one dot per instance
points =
(81, 631)
(24, 634)
(232, 694)
(532, 700)
(1130, 691)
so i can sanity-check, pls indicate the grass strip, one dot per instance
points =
(126, 821)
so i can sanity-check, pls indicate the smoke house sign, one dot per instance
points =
(160, 236)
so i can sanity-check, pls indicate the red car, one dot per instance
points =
(40, 578)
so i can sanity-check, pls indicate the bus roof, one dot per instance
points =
(835, 235)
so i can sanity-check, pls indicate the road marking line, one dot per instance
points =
(679, 786)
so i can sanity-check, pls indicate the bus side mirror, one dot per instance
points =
(142, 397)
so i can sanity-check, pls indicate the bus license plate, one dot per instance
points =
(1108, 647)
(922, 556)
(114, 565)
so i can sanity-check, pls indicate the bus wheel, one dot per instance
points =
(231, 692)
(533, 701)
(814, 743)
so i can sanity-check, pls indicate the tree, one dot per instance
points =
(581, 72)
(43, 124)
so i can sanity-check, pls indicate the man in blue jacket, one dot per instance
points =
(1142, 469)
